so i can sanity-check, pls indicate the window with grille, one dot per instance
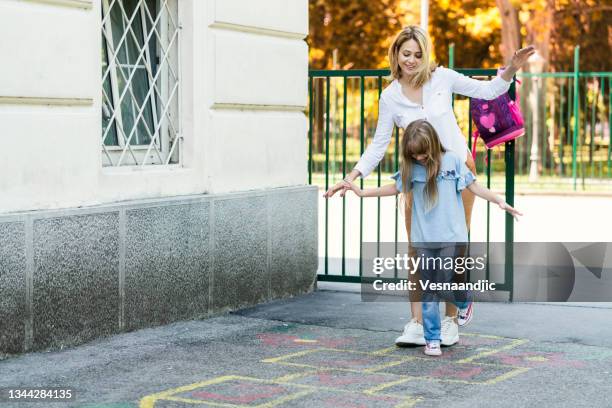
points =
(140, 82)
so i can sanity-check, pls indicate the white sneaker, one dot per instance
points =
(449, 332)
(432, 348)
(413, 335)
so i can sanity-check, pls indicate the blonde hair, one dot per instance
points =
(424, 70)
(421, 138)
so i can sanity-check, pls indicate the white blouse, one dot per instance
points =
(394, 108)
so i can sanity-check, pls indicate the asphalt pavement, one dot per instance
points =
(330, 349)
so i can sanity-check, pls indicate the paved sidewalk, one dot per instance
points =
(329, 349)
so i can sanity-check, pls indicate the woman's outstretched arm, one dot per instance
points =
(374, 152)
(488, 90)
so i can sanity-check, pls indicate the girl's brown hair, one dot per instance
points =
(421, 138)
(424, 70)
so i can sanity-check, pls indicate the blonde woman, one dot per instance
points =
(421, 90)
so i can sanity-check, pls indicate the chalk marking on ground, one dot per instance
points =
(538, 359)
(384, 351)
(514, 370)
(387, 365)
(285, 399)
(294, 376)
(282, 360)
(149, 400)
(370, 391)
(409, 404)
(319, 349)
(196, 402)
(169, 395)
(498, 365)
(512, 345)
(486, 336)
(291, 355)
(381, 387)
(509, 374)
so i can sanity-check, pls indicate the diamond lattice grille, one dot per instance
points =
(140, 82)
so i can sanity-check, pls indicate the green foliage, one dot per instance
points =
(473, 26)
(585, 23)
(361, 31)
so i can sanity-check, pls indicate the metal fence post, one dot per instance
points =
(609, 123)
(576, 112)
(327, 90)
(509, 221)
(310, 124)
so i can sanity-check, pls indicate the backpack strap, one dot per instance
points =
(475, 135)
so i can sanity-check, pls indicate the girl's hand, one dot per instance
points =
(521, 56)
(334, 189)
(507, 207)
(350, 186)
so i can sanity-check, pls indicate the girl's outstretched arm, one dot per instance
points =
(488, 195)
(387, 190)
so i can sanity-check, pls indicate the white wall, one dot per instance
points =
(260, 70)
(244, 75)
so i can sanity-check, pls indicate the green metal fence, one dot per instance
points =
(562, 147)
(342, 116)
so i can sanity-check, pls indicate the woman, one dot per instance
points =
(420, 90)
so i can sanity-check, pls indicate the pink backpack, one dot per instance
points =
(497, 121)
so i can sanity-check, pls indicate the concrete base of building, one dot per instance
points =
(69, 276)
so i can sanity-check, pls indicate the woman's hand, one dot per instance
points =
(521, 56)
(334, 189)
(350, 186)
(343, 186)
(340, 185)
(518, 60)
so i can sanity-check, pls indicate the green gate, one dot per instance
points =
(342, 116)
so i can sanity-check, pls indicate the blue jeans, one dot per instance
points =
(439, 272)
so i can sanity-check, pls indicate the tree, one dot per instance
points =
(532, 28)
(485, 32)
(473, 26)
(511, 29)
(360, 30)
(555, 27)
(585, 23)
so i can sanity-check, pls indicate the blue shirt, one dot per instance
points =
(444, 223)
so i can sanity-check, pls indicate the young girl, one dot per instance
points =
(436, 178)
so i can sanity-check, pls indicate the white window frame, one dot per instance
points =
(163, 133)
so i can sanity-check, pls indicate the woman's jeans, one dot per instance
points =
(439, 272)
